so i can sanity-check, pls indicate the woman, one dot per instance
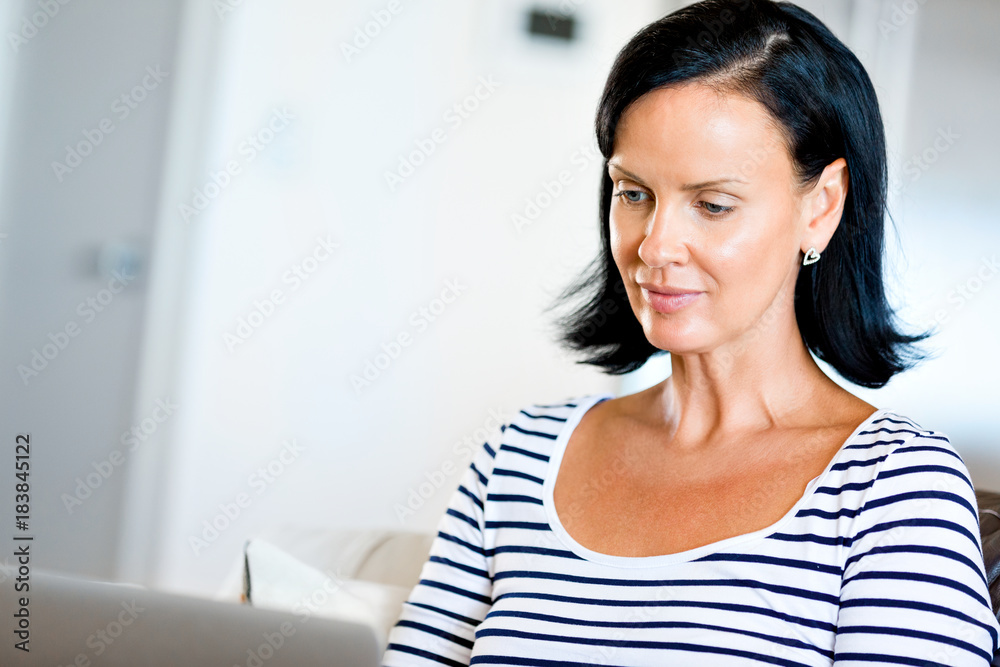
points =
(747, 509)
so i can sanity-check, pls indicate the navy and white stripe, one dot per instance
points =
(880, 562)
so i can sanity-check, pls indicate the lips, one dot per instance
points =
(666, 289)
(666, 299)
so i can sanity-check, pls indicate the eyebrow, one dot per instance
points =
(689, 186)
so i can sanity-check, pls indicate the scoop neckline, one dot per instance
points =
(555, 461)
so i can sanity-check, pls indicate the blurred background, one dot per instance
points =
(285, 263)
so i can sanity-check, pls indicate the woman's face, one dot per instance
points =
(706, 203)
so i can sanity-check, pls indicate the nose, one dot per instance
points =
(666, 238)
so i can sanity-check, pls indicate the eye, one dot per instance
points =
(631, 197)
(716, 210)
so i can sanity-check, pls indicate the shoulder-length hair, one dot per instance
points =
(786, 59)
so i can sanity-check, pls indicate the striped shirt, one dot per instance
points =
(879, 562)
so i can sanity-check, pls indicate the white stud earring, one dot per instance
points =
(811, 257)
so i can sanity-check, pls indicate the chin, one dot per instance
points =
(674, 334)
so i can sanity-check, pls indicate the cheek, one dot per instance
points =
(628, 227)
(754, 257)
(621, 244)
(737, 252)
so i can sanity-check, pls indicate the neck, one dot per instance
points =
(761, 380)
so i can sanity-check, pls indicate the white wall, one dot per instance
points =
(323, 176)
(950, 230)
(64, 75)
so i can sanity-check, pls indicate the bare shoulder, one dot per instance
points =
(848, 411)
(612, 422)
(611, 410)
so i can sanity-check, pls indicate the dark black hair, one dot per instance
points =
(785, 58)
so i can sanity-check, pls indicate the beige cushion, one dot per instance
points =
(274, 579)
(358, 575)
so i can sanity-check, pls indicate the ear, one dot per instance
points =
(824, 205)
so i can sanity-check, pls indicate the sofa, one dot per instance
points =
(384, 565)
(989, 531)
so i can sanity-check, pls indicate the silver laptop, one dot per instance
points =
(71, 621)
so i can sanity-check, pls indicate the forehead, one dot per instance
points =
(694, 128)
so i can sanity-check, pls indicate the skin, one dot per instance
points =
(747, 417)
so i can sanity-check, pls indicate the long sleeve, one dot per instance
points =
(439, 619)
(914, 588)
